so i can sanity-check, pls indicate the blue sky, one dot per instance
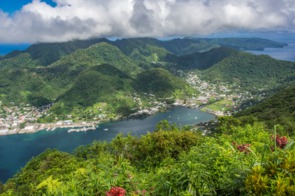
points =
(11, 6)
(24, 21)
(6, 48)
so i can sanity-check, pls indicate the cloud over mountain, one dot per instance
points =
(77, 19)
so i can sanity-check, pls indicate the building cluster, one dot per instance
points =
(14, 119)
(151, 106)
(23, 118)
(211, 93)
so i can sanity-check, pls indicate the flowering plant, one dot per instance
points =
(242, 147)
(281, 141)
(116, 191)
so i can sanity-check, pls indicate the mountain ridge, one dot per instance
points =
(40, 80)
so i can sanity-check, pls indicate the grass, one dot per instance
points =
(221, 105)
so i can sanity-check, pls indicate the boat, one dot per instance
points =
(71, 130)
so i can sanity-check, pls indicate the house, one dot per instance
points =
(68, 122)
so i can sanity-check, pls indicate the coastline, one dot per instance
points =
(36, 127)
(92, 125)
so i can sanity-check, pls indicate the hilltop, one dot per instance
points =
(252, 71)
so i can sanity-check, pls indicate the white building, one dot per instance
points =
(29, 128)
(3, 131)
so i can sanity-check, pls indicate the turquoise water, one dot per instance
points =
(17, 150)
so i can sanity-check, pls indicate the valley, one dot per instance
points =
(98, 80)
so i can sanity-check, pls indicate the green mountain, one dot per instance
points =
(102, 83)
(251, 71)
(203, 60)
(22, 84)
(22, 80)
(162, 83)
(107, 84)
(278, 109)
(99, 74)
(146, 52)
(95, 84)
(99, 54)
(46, 53)
(68, 73)
(18, 61)
(142, 50)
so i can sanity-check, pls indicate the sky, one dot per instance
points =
(31, 21)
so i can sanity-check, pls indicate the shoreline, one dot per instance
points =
(91, 125)
(36, 127)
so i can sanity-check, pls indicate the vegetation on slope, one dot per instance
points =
(20, 85)
(251, 71)
(47, 53)
(107, 85)
(35, 84)
(143, 46)
(97, 84)
(278, 109)
(242, 160)
(99, 54)
(21, 60)
(204, 60)
(23, 80)
(162, 83)
(146, 52)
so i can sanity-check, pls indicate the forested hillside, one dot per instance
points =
(162, 83)
(251, 71)
(46, 53)
(276, 110)
(203, 60)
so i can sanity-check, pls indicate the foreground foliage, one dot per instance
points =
(242, 159)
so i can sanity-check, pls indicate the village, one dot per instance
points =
(23, 119)
(220, 99)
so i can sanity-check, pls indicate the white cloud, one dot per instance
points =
(81, 19)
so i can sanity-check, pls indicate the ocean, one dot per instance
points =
(286, 53)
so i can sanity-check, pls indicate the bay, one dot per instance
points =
(17, 150)
(286, 53)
